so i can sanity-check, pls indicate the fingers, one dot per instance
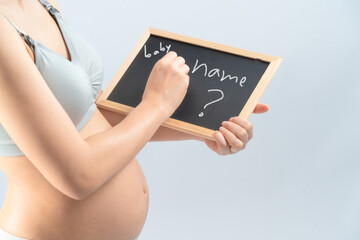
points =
(237, 133)
(235, 144)
(185, 68)
(237, 130)
(179, 61)
(232, 136)
(245, 125)
(222, 146)
(169, 56)
(225, 142)
(172, 56)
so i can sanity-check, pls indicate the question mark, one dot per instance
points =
(212, 90)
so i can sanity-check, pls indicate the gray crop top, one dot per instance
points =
(74, 83)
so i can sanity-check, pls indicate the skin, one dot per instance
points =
(83, 185)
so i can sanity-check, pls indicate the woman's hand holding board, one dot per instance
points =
(234, 134)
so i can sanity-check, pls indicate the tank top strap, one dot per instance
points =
(22, 33)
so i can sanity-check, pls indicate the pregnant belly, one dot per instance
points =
(115, 211)
(34, 209)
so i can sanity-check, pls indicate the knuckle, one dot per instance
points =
(181, 59)
(174, 68)
(180, 73)
(160, 64)
(239, 145)
(242, 132)
(249, 125)
(222, 145)
(235, 119)
(187, 68)
(172, 53)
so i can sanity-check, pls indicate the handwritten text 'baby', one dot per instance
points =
(156, 52)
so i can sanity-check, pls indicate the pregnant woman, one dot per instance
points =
(72, 174)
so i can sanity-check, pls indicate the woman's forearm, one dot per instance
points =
(161, 134)
(111, 150)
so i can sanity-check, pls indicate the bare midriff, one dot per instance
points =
(34, 209)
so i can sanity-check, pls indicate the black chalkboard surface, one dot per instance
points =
(222, 80)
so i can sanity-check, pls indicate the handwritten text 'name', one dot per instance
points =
(216, 72)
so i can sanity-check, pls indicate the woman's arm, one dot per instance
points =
(41, 128)
(161, 134)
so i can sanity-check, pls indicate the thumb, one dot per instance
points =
(261, 108)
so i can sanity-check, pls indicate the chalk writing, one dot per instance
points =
(156, 52)
(216, 100)
(216, 72)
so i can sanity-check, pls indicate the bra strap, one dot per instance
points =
(25, 36)
(49, 7)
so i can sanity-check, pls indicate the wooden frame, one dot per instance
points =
(274, 63)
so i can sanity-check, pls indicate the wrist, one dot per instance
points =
(159, 110)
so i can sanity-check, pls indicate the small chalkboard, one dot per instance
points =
(224, 81)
